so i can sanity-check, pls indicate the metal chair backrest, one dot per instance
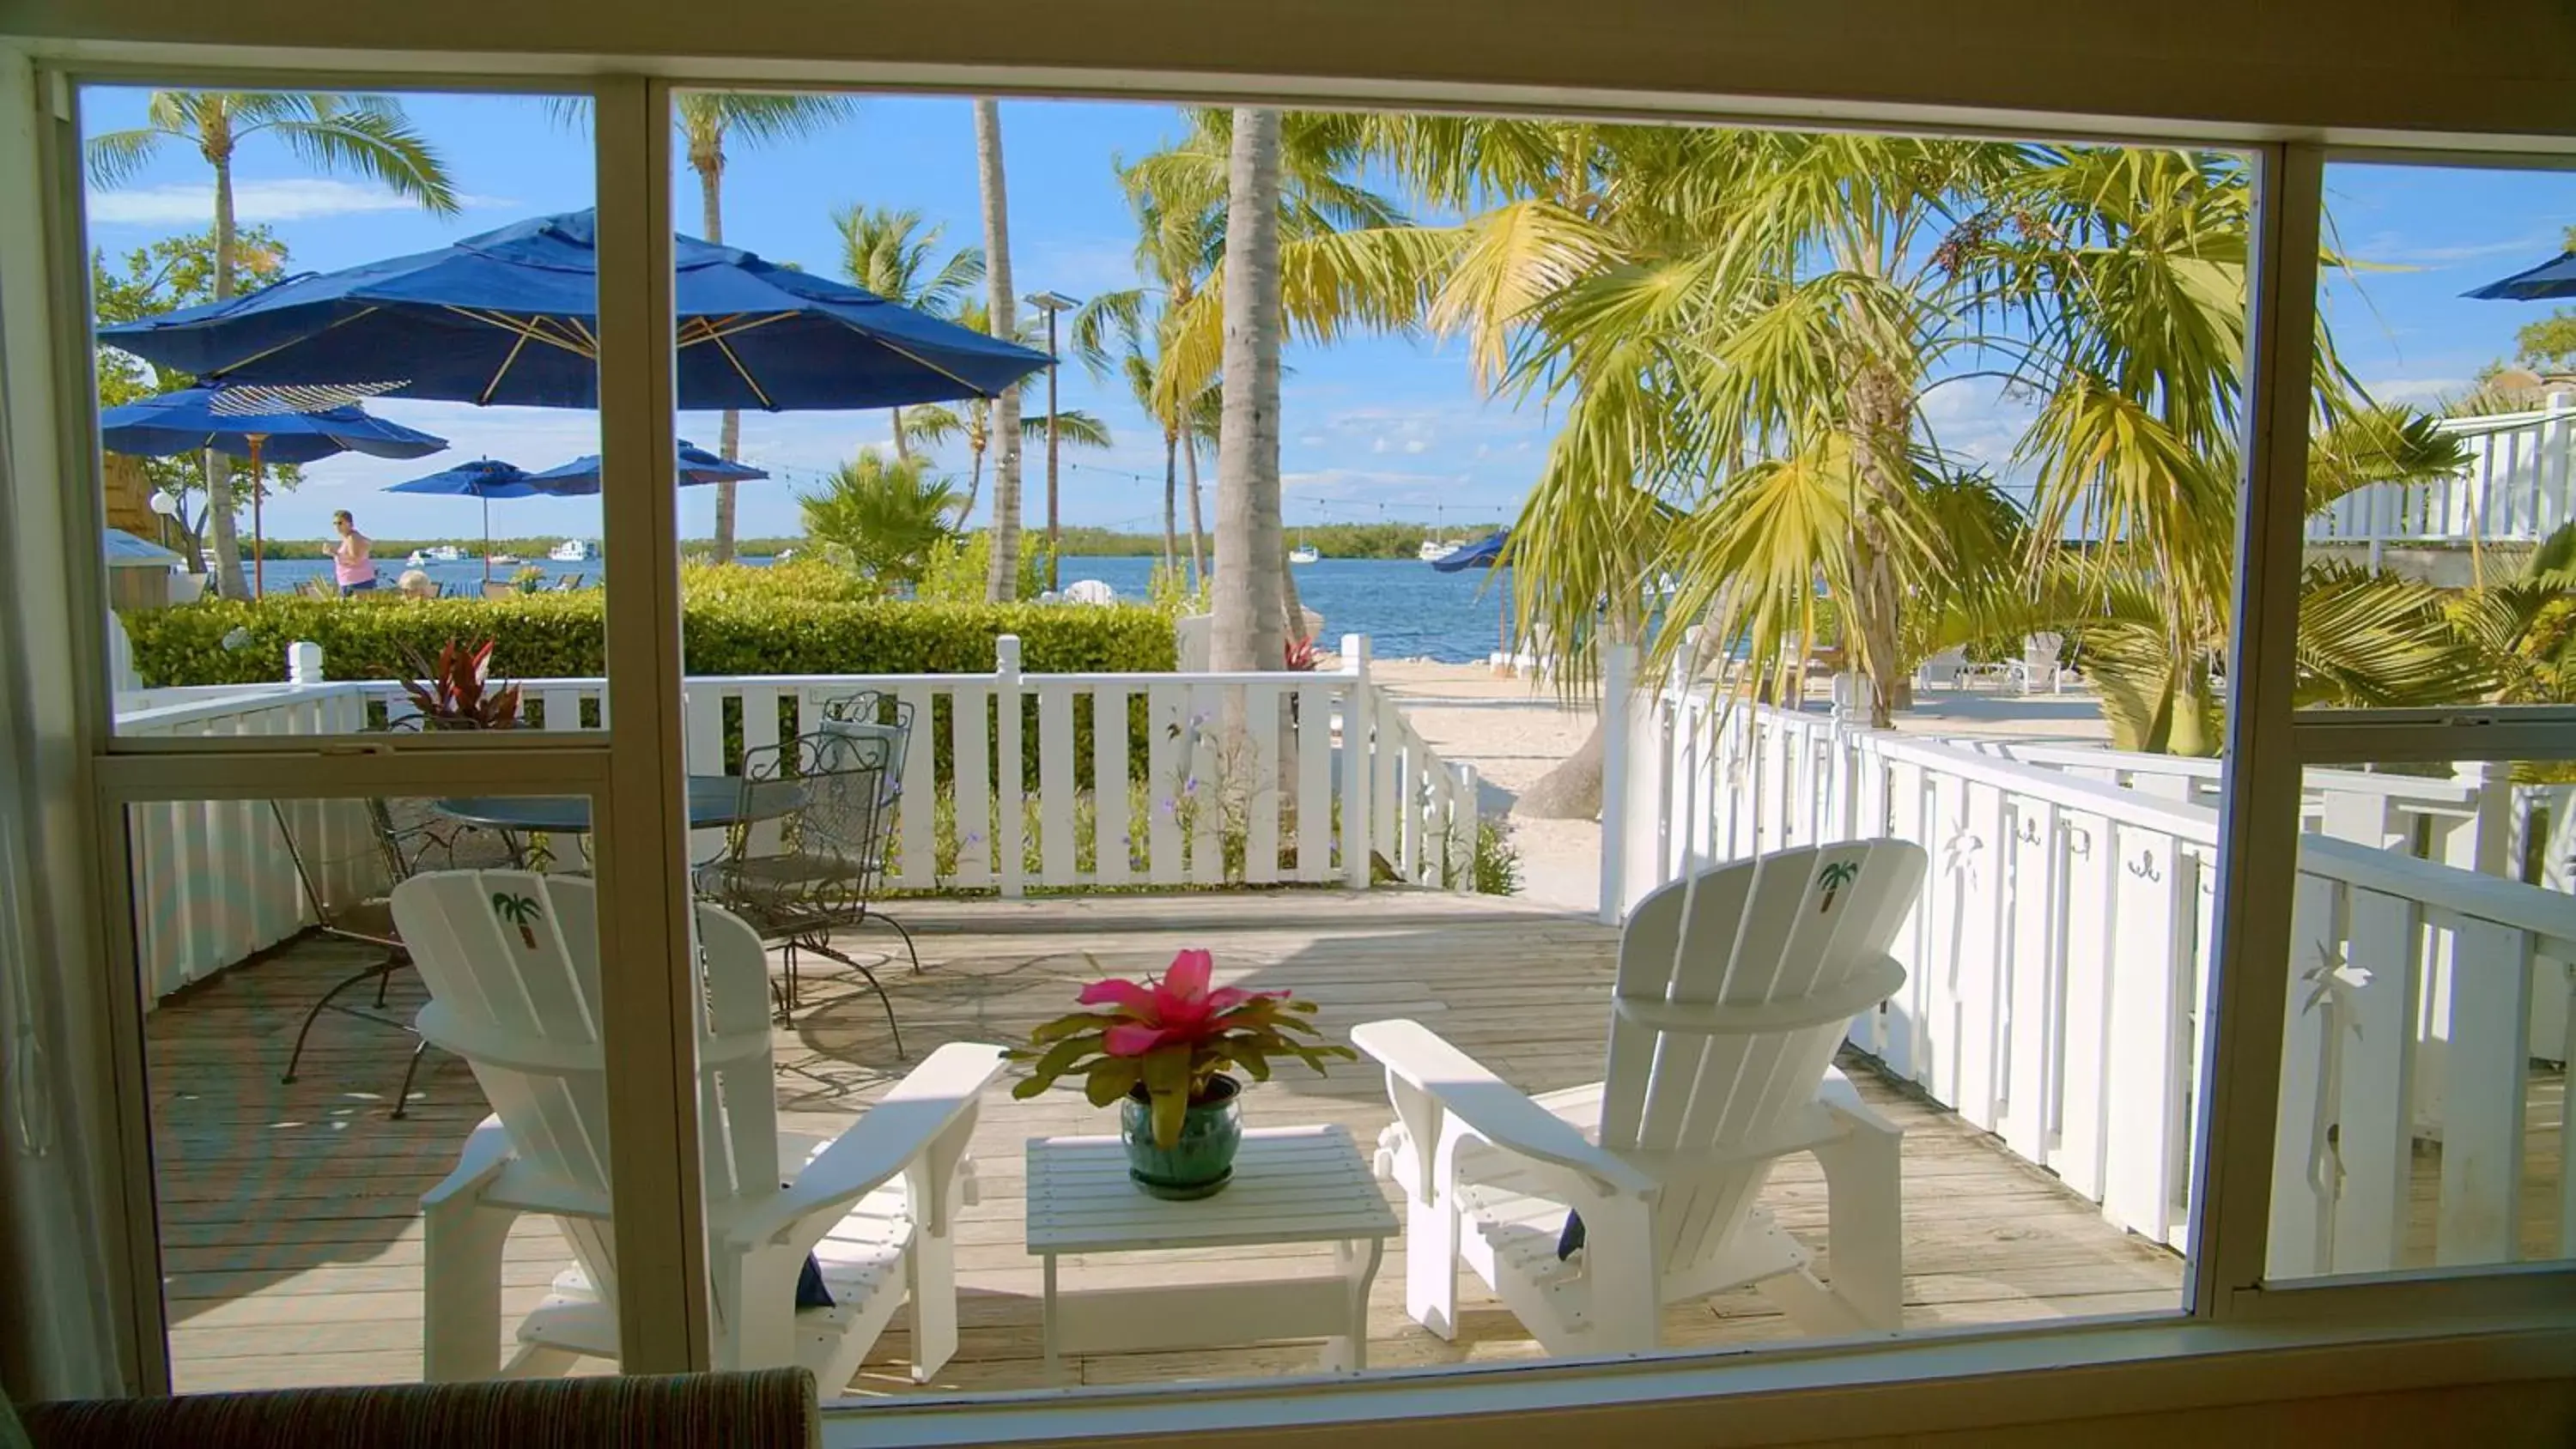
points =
(820, 860)
(871, 714)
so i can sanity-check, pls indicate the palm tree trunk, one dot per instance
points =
(1880, 427)
(729, 435)
(974, 484)
(1001, 584)
(1198, 520)
(1171, 490)
(225, 539)
(1250, 628)
(902, 450)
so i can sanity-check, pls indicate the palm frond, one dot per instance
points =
(116, 157)
(369, 136)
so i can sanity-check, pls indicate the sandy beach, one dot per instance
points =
(1515, 730)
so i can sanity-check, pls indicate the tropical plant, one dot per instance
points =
(455, 691)
(1002, 584)
(891, 253)
(707, 121)
(1168, 1038)
(881, 516)
(359, 135)
(970, 422)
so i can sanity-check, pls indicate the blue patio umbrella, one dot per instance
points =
(511, 316)
(581, 476)
(1483, 553)
(262, 430)
(484, 478)
(2553, 278)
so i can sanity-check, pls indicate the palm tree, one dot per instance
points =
(360, 135)
(971, 422)
(890, 253)
(707, 120)
(1250, 628)
(1002, 582)
(882, 517)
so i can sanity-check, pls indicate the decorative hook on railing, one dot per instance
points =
(2028, 831)
(2079, 840)
(2146, 867)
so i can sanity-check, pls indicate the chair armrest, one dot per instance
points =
(881, 1144)
(1490, 1107)
(486, 1153)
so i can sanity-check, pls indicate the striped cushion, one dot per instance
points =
(770, 1409)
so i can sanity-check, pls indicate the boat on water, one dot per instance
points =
(1303, 553)
(416, 560)
(499, 559)
(447, 553)
(572, 550)
(1433, 550)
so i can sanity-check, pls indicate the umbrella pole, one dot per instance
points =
(487, 540)
(258, 540)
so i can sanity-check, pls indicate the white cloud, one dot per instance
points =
(2388, 249)
(1415, 445)
(1378, 447)
(289, 199)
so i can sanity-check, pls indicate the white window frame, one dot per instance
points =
(2404, 1320)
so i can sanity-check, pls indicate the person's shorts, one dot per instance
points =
(347, 589)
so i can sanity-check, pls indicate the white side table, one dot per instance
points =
(1291, 1185)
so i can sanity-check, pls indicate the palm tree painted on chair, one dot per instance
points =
(892, 253)
(1832, 879)
(365, 136)
(708, 120)
(519, 911)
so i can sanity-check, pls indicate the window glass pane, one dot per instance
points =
(298, 1114)
(2446, 460)
(2424, 1062)
(394, 362)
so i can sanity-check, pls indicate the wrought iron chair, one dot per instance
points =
(400, 839)
(871, 714)
(807, 859)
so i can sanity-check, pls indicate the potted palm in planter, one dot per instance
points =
(1160, 1049)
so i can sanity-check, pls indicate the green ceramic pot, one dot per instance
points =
(1202, 1161)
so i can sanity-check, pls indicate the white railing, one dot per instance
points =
(1323, 776)
(2057, 965)
(2519, 486)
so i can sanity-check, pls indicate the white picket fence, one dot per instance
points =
(2519, 486)
(2057, 967)
(1323, 778)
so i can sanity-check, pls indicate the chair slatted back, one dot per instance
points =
(1796, 928)
(511, 959)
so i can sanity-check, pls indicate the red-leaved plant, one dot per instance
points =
(1301, 656)
(456, 693)
(1170, 1036)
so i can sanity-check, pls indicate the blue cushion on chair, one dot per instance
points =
(810, 1292)
(1570, 1241)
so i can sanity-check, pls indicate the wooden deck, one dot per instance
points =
(292, 1238)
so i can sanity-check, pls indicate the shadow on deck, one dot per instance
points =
(292, 1242)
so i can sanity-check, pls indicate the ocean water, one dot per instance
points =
(1408, 609)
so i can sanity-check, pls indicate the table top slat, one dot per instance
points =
(1291, 1185)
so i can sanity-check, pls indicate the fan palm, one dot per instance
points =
(891, 253)
(882, 517)
(972, 421)
(358, 135)
(708, 120)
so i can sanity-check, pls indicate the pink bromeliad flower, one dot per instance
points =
(1177, 1008)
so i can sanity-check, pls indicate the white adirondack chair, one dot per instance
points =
(1722, 1037)
(511, 961)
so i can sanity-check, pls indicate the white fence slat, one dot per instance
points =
(760, 731)
(1386, 787)
(2482, 1123)
(2152, 902)
(2381, 946)
(1167, 721)
(1314, 783)
(1978, 963)
(1907, 1022)
(1056, 775)
(702, 713)
(2090, 861)
(1109, 798)
(1404, 791)
(2036, 960)
(970, 762)
(562, 709)
(1261, 709)
(2302, 1230)
(1210, 781)
(916, 824)
(1010, 782)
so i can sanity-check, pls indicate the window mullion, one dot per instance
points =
(2259, 821)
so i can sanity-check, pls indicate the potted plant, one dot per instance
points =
(455, 692)
(1160, 1049)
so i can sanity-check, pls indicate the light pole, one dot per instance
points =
(1051, 303)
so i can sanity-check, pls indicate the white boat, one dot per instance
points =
(499, 559)
(416, 560)
(1433, 550)
(447, 553)
(572, 550)
(1303, 553)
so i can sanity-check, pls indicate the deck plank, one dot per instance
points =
(293, 1243)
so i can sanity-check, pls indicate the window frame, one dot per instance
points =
(2228, 1308)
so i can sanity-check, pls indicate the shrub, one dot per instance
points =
(953, 571)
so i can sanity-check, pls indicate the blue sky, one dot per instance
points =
(1371, 428)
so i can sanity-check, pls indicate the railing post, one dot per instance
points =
(1010, 864)
(1466, 824)
(1618, 727)
(304, 662)
(1358, 719)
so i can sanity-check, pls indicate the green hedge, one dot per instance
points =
(742, 631)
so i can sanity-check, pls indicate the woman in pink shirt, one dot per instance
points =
(351, 561)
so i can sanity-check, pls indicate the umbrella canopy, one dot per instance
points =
(511, 316)
(484, 478)
(187, 421)
(1481, 554)
(697, 465)
(2553, 278)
